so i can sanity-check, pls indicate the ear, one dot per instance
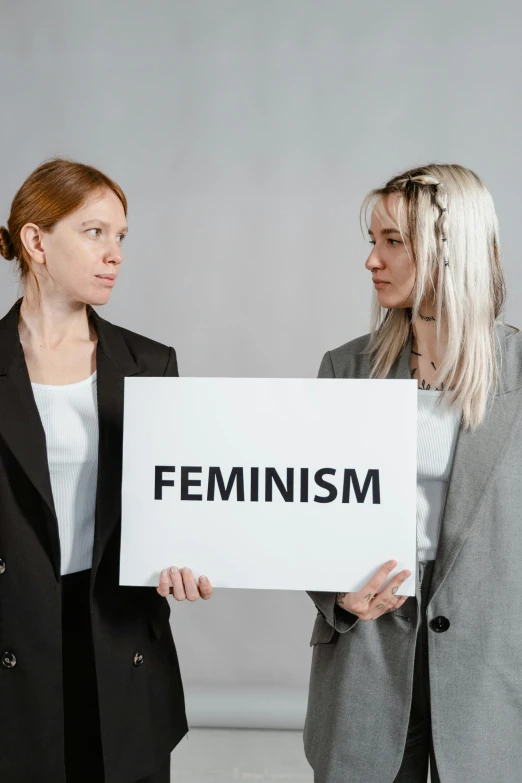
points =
(32, 239)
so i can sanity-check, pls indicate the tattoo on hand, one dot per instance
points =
(368, 597)
(394, 589)
(340, 599)
(379, 607)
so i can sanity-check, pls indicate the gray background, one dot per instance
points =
(245, 134)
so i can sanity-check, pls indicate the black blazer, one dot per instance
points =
(142, 709)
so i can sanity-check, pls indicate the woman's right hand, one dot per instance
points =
(369, 603)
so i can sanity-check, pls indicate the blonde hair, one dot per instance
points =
(447, 214)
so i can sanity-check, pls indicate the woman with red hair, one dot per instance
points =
(90, 688)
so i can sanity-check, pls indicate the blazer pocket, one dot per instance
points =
(323, 633)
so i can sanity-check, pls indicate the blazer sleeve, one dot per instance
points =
(171, 370)
(326, 603)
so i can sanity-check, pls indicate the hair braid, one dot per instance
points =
(439, 197)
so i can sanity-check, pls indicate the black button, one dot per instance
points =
(138, 659)
(2, 566)
(8, 660)
(440, 624)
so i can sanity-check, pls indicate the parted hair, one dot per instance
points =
(448, 217)
(54, 190)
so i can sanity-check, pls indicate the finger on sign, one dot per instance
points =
(378, 579)
(164, 583)
(178, 589)
(396, 583)
(205, 588)
(191, 588)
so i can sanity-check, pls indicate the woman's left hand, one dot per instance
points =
(182, 585)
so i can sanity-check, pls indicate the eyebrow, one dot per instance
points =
(386, 231)
(105, 225)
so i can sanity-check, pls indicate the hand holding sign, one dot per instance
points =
(368, 603)
(182, 585)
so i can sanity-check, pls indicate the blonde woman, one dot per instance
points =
(395, 681)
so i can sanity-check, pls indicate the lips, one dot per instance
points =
(107, 280)
(379, 283)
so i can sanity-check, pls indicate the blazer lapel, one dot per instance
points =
(21, 427)
(114, 362)
(478, 455)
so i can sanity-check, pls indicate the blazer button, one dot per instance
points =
(440, 624)
(2, 566)
(138, 659)
(8, 660)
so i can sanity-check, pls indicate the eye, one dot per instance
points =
(121, 237)
(393, 242)
(98, 230)
(372, 242)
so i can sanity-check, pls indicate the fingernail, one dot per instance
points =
(164, 572)
(173, 570)
(186, 570)
(203, 580)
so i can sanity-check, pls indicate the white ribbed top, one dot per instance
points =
(69, 415)
(437, 432)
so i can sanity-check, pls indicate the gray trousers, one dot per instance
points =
(419, 746)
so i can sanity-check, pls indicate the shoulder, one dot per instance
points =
(509, 347)
(150, 356)
(350, 360)
(142, 346)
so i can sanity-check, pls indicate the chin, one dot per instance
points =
(98, 299)
(391, 302)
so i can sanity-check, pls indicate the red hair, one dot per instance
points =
(54, 190)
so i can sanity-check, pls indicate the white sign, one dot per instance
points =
(286, 484)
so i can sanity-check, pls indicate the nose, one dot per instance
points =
(373, 262)
(114, 254)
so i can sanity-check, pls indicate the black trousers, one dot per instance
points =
(83, 753)
(419, 746)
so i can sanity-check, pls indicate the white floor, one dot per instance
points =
(226, 755)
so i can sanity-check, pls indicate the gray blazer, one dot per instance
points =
(361, 678)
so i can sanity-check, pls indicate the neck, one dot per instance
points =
(52, 321)
(425, 333)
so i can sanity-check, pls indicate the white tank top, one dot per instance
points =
(69, 415)
(437, 432)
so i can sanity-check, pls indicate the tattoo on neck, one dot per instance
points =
(427, 387)
(426, 317)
